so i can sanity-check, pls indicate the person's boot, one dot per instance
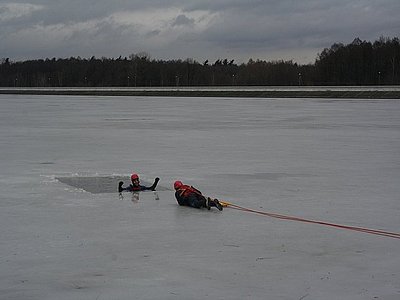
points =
(218, 205)
(208, 203)
(214, 203)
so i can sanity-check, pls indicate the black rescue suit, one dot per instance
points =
(132, 188)
(138, 188)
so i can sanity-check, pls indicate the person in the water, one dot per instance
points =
(189, 196)
(135, 186)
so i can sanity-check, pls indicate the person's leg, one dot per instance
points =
(196, 201)
(214, 202)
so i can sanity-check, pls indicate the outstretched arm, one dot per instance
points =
(153, 187)
(120, 188)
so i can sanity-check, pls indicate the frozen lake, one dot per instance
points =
(328, 160)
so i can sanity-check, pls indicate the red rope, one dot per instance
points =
(283, 217)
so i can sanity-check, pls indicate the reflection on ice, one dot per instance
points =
(135, 196)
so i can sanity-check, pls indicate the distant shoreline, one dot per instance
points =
(350, 92)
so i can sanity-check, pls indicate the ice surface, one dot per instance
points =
(331, 160)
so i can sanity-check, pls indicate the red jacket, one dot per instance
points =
(186, 190)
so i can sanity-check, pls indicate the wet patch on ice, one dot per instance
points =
(46, 163)
(101, 184)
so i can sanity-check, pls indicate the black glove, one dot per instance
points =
(120, 188)
(153, 187)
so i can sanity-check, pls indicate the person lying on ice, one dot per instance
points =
(189, 196)
(135, 186)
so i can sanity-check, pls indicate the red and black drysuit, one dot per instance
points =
(189, 196)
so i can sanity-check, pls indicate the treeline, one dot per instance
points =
(358, 63)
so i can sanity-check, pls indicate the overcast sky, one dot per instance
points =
(200, 29)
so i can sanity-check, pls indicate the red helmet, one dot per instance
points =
(134, 176)
(177, 184)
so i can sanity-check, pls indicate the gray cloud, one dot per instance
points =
(182, 20)
(200, 29)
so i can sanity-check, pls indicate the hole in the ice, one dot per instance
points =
(103, 184)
